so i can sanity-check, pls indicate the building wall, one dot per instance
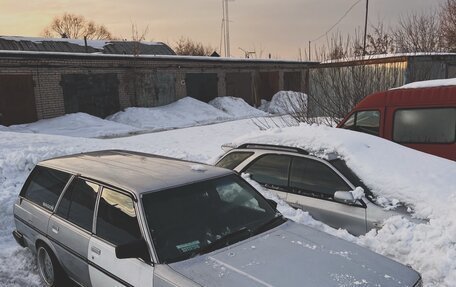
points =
(140, 81)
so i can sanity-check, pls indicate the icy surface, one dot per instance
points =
(236, 107)
(185, 112)
(75, 125)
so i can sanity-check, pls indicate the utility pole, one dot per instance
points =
(365, 27)
(226, 27)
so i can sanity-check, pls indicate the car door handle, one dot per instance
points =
(55, 229)
(95, 250)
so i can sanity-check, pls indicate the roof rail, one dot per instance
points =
(274, 147)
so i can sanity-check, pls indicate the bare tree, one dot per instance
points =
(418, 33)
(379, 41)
(137, 36)
(188, 47)
(75, 27)
(448, 24)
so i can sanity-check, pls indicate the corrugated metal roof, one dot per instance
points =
(8, 43)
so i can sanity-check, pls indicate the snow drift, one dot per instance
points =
(185, 112)
(75, 125)
(236, 107)
(394, 174)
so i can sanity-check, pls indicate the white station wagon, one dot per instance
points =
(119, 218)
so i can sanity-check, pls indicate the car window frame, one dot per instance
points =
(41, 207)
(419, 108)
(355, 121)
(285, 189)
(231, 152)
(97, 204)
(77, 176)
(329, 166)
(359, 203)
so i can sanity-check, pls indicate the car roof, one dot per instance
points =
(134, 171)
(280, 148)
(432, 96)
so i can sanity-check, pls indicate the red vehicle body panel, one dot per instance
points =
(388, 102)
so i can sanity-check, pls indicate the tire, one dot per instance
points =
(49, 268)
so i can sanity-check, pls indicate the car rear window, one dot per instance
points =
(44, 186)
(433, 125)
(233, 159)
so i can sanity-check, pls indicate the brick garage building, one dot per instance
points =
(41, 78)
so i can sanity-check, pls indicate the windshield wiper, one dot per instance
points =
(273, 222)
(226, 240)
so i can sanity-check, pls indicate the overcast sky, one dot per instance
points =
(279, 27)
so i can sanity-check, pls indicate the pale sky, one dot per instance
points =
(279, 27)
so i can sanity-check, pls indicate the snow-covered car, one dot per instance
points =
(325, 187)
(119, 218)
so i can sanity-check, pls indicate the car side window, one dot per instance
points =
(116, 220)
(78, 203)
(271, 170)
(436, 125)
(233, 159)
(44, 186)
(311, 177)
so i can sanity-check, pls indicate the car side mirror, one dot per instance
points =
(344, 197)
(273, 203)
(133, 249)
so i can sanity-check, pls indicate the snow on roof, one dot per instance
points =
(429, 84)
(385, 56)
(18, 43)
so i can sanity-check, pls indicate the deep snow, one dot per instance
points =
(396, 173)
(185, 112)
(236, 107)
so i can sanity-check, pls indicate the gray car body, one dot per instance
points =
(356, 218)
(288, 255)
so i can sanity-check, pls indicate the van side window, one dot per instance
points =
(364, 121)
(116, 221)
(44, 186)
(78, 203)
(425, 125)
(311, 177)
(271, 170)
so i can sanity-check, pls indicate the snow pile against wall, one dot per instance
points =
(76, 125)
(286, 102)
(185, 112)
(236, 107)
(394, 173)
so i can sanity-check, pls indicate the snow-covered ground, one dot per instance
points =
(393, 172)
(76, 125)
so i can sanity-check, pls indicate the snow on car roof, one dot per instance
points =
(429, 84)
(390, 170)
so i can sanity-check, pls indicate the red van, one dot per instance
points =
(420, 117)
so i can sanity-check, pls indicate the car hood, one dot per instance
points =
(295, 255)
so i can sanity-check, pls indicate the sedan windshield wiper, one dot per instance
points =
(273, 222)
(226, 240)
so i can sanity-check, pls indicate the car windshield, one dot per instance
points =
(193, 219)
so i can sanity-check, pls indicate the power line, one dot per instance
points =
(338, 21)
